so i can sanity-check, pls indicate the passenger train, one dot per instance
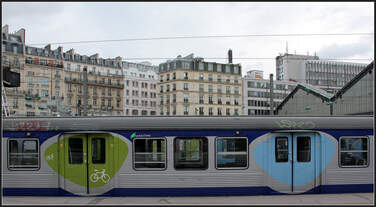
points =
(186, 156)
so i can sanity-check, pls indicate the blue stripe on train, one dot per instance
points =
(219, 191)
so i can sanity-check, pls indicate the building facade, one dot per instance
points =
(105, 86)
(13, 56)
(256, 94)
(140, 89)
(327, 75)
(190, 86)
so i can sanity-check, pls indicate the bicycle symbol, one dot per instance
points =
(99, 175)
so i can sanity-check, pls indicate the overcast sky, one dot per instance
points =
(54, 22)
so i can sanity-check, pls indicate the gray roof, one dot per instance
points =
(308, 88)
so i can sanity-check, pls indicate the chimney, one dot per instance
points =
(48, 47)
(229, 56)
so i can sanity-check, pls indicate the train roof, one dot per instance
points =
(185, 123)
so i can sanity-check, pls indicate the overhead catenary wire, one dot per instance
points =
(203, 36)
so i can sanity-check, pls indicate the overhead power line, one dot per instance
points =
(207, 36)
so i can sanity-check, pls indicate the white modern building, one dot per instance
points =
(327, 75)
(140, 89)
(256, 94)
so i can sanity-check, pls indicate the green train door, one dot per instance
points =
(88, 162)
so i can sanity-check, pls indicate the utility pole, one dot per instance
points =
(271, 94)
(85, 91)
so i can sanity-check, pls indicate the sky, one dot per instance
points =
(59, 22)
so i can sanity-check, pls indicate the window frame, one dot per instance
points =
(23, 168)
(204, 138)
(353, 166)
(134, 153)
(216, 152)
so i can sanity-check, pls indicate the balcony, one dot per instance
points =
(12, 64)
(93, 82)
(34, 62)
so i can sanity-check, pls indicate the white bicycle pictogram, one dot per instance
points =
(99, 175)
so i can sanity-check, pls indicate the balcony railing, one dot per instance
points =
(93, 82)
(43, 63)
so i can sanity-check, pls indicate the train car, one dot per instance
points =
(186, 156)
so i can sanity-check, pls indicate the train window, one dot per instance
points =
(354, 152)
(281, 149)
(303, 149)
(232, 153)
(23, 153)
(98, 153)
(75, 151)
(149, 153)
(191, 153)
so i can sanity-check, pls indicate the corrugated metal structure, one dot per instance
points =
(355, 98)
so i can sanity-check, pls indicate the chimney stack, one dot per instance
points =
(229, 56)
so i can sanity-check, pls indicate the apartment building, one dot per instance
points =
(13, 56)
(140, 89)
(256, 93)
(190, 86)
(105, 86)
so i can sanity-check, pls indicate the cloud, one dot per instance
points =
(363, 47)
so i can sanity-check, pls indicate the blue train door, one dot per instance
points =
(292, 162)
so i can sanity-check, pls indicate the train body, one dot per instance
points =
(186, 156)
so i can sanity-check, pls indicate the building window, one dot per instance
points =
(201, 101)
(236, 90)
(174, 87)
(210, 99)
(219, 89)
(227, 112)
(354, 151)
(210, 76)
(201, 87)
(23, 154)
(186, 86)
(185, 98)
(201, 76)
(191, 153)
(210, 111)
(201, 111)
(219, 111)
(228, 100)
(219, 78)
(210, 88)
(173, 76)
(149, 153)
(227, 89)
(231, 153)
(219, 100)
(185, 110)
(236, 112)
(186, 75)
(227, 79)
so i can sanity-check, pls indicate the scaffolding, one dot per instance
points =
(4, 103)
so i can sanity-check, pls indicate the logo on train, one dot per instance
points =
(99, 175)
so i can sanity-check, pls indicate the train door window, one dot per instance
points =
(23, 154)
(303, 149)
(98, 146)
(231, 153)
(281, 149)
(354, 152)
(149, 153)
(75, 151)
(191, 153)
